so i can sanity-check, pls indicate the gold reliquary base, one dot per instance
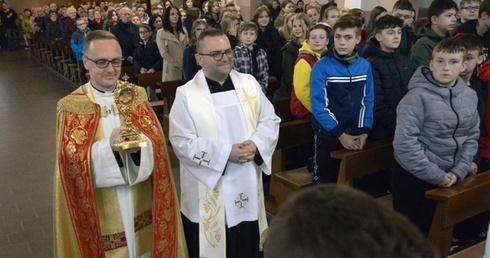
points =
(124, 145)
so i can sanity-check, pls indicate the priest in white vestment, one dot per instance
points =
(224, 130)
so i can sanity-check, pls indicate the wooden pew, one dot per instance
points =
(477, 250)
(284, 183)
(376, 157)
(281, 107)
(455, 204)
(168, 91)
(292, 133)
(151, 79)
(129, 71)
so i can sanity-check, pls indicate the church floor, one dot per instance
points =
(29, 92)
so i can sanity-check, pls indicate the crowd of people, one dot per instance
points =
(419, 81)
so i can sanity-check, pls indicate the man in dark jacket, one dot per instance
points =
(8, 17)
(127, 34)
(275, 9)
(391, 73)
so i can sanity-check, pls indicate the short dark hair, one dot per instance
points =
(449, 46)
(484, 7)
(320, 26)
(212, 32)
(403, 5)
(338, 221)
(387, 22)
(249, 26)
(145, 26)
(471, 42)
(348, 22)
(437, 7)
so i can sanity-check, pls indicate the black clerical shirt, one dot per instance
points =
(215, 87)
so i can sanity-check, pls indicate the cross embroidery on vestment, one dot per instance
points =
(241, 200)
(201, 158)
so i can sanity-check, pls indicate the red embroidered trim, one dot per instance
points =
(77, 134)
(114, 241)
(165, 233)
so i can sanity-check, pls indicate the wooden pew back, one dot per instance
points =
(151, 79)
(455, 204)
(374, 158)
(168, 91)
(281, 107)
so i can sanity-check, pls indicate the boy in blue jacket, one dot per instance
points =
(342, 99)
(77, 39)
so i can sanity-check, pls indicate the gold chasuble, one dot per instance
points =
(85, 222)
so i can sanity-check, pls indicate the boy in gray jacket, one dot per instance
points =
(436, 133)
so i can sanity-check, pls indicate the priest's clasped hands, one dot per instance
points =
(243, 152)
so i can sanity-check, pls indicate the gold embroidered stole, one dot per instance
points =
(212, 226)
(75, 197)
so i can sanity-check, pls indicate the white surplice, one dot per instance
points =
(207, 160)
(107, 173)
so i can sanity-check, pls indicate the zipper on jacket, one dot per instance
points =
(457, 125)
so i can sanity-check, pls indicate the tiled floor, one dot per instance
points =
(28, 95)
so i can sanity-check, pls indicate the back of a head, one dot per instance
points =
(336, 221)
(437, 7)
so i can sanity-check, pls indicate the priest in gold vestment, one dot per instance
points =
(108, 202)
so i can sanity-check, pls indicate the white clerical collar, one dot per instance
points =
(101, 91)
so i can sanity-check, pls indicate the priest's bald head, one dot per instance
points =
(214, 54)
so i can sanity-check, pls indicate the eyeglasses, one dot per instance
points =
(471, 8)
(105, 63)
(218, 56)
